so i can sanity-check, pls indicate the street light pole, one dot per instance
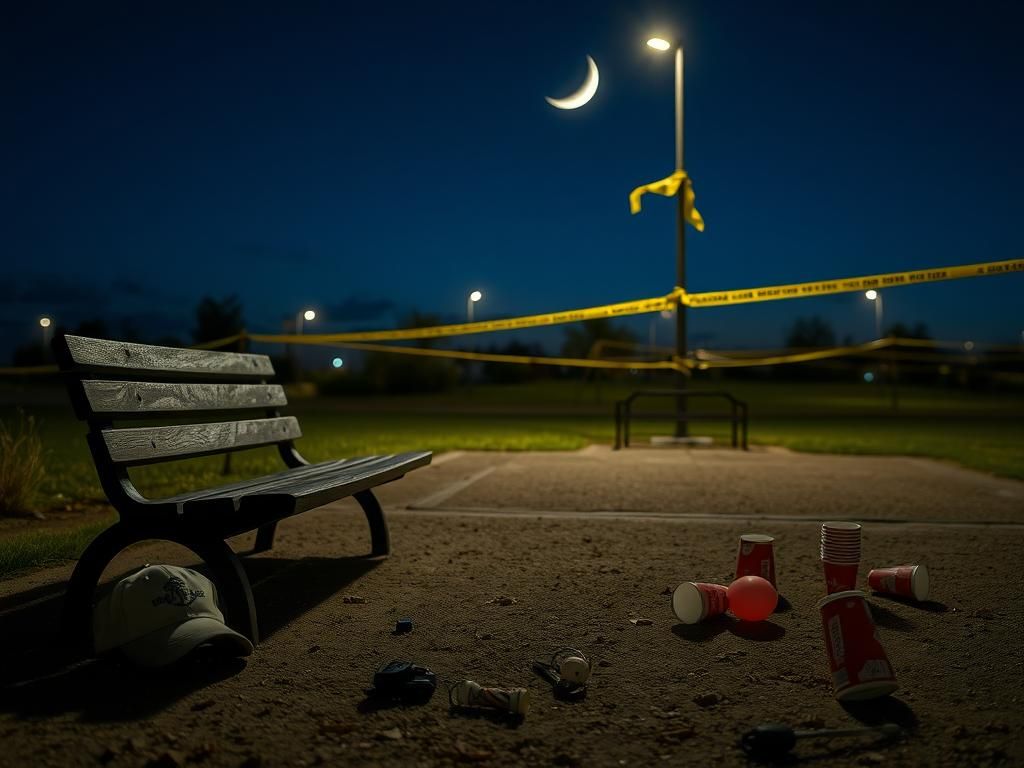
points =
(876, 297)
(47, 325)
(682, 427)
(472, 299)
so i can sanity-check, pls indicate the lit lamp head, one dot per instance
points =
(44, 322)
(871, 294)
(659, 44)
(475, 296)
(309, 314)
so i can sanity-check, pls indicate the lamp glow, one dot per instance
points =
(659, 44)
(44, 322)
(475, 296)
(871, 294)
(309, 314)
(337, 362)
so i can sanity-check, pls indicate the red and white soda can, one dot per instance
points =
(693, 602)
(904, 580)
(860, 669)
(756, 557)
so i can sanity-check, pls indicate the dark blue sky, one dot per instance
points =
(367, 159)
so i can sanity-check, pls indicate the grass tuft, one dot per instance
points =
(31, 550)
(21, 466)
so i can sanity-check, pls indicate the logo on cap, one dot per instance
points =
(177, 593)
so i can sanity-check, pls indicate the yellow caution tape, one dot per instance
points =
(668, 187)
(622, 309)
(706, 359)
(847, 284)
(626, 308)
(570, 362)
(218, 343)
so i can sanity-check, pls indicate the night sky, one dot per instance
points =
(368, 159)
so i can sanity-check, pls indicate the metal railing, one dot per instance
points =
(624, 413)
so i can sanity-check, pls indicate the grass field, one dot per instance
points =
(979, 431)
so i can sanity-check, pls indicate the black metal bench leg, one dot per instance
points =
(232, 585)
(265, 537)
(76, 621)
(380, 537)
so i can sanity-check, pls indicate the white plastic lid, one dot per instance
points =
(688, 603)
(920, 582)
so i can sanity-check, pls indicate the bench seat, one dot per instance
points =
(283, 494)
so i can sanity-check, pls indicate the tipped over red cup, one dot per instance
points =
(903, 580)
(858, 663)
(692, 602)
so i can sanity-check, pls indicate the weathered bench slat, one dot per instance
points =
(317, 491)
(149, 397)
(102, 355)
(140, 445)
(255, 485)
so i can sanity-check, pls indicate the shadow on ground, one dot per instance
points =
(40, 677)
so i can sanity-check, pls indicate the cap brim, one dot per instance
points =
(169, 644)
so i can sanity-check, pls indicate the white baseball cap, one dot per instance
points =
(161, 613)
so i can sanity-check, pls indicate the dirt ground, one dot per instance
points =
(582, 543)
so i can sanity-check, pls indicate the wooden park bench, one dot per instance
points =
(111, 381)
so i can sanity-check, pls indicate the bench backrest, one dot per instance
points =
(115, 381)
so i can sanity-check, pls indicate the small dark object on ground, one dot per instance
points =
(405, 681)
(772, 741)
(402, 626)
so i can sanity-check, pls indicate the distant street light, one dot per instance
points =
(875, 296)
(47, 325)
(337, 362)
(474, 297)
(307, 315)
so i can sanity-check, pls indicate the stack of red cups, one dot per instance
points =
(857, 661)
(840, 555)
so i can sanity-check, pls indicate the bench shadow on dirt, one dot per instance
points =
(40, 677)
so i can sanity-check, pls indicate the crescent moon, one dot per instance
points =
(584, 94)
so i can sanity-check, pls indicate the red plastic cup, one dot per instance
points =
(860, 669)
(756, 557)
(905, 580)
(692, 602)
(840, 577)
